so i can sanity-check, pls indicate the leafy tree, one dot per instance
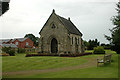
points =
(86, 44)
(106, 46)
(91, 44)
(115, 32)
(33, 38)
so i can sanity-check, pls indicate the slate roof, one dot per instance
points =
(4, 40)
(67, 23)
(9, 45)
(20, 39)
(70, 26)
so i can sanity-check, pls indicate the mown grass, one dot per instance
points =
(21, 63)
(106, 71)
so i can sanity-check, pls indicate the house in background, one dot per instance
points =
(22, 42)
(5, 41)
(18, 42)
(13, 46)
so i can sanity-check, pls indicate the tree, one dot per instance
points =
(33, 38)
(106, 46)
(115, 32)
(86, 44)
(91, 44)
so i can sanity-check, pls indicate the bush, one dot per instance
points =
(99, 50)
(6, 49)
(12, 52)
(9, 50)
(61, 55)
(20, 50)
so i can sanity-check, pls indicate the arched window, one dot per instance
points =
(78, 41)
(72, 40)
(53, 26)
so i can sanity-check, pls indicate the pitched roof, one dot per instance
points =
(20, 39)
(9, 45)
(67, 23)
(4, 40)
(70, 26)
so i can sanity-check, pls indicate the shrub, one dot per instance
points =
(61, 55)
(20, 50)
(12, 52)
(9, 50)
(99, 50)
(6, 49)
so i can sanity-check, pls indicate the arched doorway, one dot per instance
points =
(54, 46)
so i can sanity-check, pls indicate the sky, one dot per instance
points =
(91, 17)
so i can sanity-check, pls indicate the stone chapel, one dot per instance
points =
(60, 35)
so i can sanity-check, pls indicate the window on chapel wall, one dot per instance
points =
(53, 26)
(72, 40)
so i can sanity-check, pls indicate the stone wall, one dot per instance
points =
(67, 42)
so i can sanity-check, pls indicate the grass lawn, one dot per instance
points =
(21, 63)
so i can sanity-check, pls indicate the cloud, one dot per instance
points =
(92, 17)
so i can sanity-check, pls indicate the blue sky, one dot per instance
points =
(91, 17)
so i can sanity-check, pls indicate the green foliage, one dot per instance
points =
(21, 50)
(106, 46)
(115, 32)
(33, 38)
(9, 50)
(91, 44)
(12, 52)
(6, 49)
(99, 50)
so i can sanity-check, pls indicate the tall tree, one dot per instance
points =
(91, 44)
(33, 38)
(115, 32)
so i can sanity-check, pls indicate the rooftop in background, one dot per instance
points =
(20, 39)
(9, 45)
(12, 40)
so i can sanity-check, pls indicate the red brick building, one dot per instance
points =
(22, 42)
(19, 42)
